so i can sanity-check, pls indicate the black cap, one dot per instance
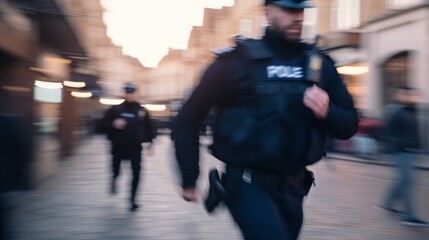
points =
(296, 4)
(130, 87)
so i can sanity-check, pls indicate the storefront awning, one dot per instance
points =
(56, 32)
(345, 56)
(336, 40)
(90, 83)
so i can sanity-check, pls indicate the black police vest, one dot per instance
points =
(134, 132)
(267, 125)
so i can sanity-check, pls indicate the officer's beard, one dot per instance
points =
(286, 30)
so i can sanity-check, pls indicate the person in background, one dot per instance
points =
(272, 121)
(128, 125)
(404, 142)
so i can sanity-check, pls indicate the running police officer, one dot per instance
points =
(128, 125)
(277, 99)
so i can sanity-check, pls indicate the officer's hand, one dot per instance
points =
(317, 100)
(190, 194)
(119, 123)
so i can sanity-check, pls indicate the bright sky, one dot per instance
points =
(147, 28)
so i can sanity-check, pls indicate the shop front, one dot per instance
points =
(397, 47)
(381, 55)
(39, 52)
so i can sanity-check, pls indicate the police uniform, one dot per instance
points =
(127, 142)
(263, 132)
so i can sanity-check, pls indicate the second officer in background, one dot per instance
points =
(128, 125)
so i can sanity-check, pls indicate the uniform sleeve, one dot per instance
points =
(105, 124)
(149, 127)
(186, 125)
(342, 119)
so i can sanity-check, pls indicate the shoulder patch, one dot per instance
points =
(141, 113)
(224, 51)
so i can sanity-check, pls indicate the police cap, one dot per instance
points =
(130, 87)
(296, 4)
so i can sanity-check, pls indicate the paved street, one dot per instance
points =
(75, 204)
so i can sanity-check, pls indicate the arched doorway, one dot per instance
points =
(394, 73)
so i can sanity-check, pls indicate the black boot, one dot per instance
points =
(113, 187)
(133, 205)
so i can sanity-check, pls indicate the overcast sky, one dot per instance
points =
(147, 28)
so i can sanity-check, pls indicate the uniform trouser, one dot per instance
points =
(401, 189)
(265, 212)
(134, 155)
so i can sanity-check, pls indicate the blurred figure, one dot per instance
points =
(404, 142)
(14, 156)
(365, 140)
(276, 104)
(128, 125)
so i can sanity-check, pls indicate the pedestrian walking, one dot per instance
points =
(128, 125)
(277, 99)
(404, 142)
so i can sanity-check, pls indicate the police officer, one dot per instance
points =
(128, 125)
(273, 118)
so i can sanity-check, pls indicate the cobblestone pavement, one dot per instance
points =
(75, 204)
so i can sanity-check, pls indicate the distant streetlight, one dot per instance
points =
(352, 70)
(74, 84)
(111, 101)
(48, 85)
(81, 94)
(155, 107)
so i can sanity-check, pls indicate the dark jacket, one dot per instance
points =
(219, 86)
(15, 152)
(139, 126)
(403, 129)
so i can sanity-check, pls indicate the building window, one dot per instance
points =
(395, 73)
(346, 14)
(246, 27)
(399, 4)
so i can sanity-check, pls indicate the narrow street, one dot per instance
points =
(75, 204)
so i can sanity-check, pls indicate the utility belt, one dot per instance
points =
(302, 178)
(270, 179)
